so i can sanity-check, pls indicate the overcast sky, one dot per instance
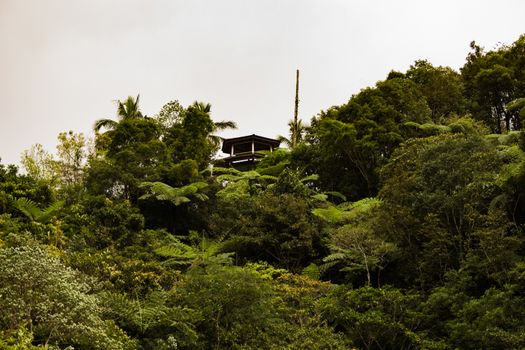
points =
(63, 63)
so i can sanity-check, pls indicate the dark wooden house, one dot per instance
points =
(244, 151)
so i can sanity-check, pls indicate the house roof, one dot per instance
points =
(227, 143)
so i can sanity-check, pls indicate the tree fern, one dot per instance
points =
(31, 209)
(220, 171)
(183, 255)
(175, 195)
(27, 207)
(177, 253)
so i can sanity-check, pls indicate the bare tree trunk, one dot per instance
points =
(294, 136)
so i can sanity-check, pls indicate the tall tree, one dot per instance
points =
(39, 163)
(438, 195)
(72, 155)
(442, 87)
(354, 140)
(194, 136)
(129, 109)
(492, 80)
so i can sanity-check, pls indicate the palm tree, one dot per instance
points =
(297, 130)
(217, 126)
(129, 109)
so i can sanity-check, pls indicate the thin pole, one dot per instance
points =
(296, 111)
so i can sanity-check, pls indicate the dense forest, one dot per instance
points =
(396, 221)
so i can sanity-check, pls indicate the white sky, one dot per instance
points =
(63, 63)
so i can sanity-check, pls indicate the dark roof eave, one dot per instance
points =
(226, 144)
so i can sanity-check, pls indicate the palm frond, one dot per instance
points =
(136, 104)
(215, 140)
(225, 124)
(129, 109)
(285, 141)
(202, 107)
(104, 123)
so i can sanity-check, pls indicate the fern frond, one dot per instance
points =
(328, 265)
(176, 250)
(48, 212)
(268, 177)
(221, 170)
(336, 194)
(27, 207)
(228, 177)
(321, 197)
(335, 257)
(313, 177)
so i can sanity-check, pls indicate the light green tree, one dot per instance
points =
(52, 302)
(39, 164)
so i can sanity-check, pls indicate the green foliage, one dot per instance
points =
(183, 255)
(191, 137)
(134, 154)
(494, 321)
(442, 87)
(347, 212)
(435, 211)
(241, 184)
(234, 304)
(38, 163)
(51, 301)
(30, 209)
(170, 114)
(100, 222)
(72, 154)
(436, 193)
(492, 82)
(277, 228)
(155, 319)
(297, 132)
(355, 139)
(129, 109)
(176, 196)
(378, 318)
(274, 162)
(135, 275)
(414, 129)
(355, 246)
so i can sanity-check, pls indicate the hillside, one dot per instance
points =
(395, 222)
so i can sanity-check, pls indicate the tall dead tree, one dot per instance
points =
(295, 127)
